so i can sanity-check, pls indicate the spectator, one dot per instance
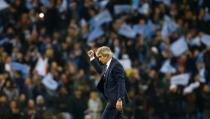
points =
(78, 104)
(30, 110)
(5, 110)
(11, 91)
(94, 105)
(14, 110)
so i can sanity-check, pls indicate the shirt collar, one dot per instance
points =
(108, 63)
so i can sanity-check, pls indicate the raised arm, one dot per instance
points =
(95, 62)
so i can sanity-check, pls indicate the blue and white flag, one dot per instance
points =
(102, 17)
(122, 9)
(49, 82)
(3, 5)
(179, 47)
(180, 79)
(23, 68)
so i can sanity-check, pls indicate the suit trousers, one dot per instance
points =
(111, 112)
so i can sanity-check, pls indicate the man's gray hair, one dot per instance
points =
(104, 50)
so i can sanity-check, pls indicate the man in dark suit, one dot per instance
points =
(112, 82)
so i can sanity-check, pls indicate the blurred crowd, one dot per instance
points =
(164, 46)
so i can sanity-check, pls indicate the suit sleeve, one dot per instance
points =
(118, 73)
(97, 65)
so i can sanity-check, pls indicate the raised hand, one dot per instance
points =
(119, 105)
(90, 53)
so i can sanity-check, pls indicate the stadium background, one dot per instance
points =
(45, 72)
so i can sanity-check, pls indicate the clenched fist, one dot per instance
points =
(90, 53)
(119, 105)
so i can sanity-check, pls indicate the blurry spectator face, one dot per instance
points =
(206, 88)
(3, 99)
(2, 79)
(188, 14)
(34, 1)
(13, 104)
(142, 21)
(72, 30)
(36, 79)
(181, 68)
(87, 117)
(59, 2)
(17, 2)
(24, 20)
(71, 68)
(8, 60)
(64, 78)
(77, 49)
(162, 8)
(84, 28)
(31, 103)
(93, 95)
(92, 12)
(10, 31)
(168, 76)
(182, 60)
(73, 5)
(189, 35)
(152, 74)
(63, 91)
(28, 81)
(196, 53)
(173, 88)
(118, 23)
(40, 100)
(81, 73)
(54, 66)
(200, 65)
(56, 35)
(173, 10)
(158, 37)
(201, 13)
(197, 77)
(131, 93)
(68, 40)
(17, 74)
(180, 23)
(157, 11)
(22, 98)
(8, 84)
(78, 93)
(19, 56)
(34, 35)
(64, 46)
(135, 74)
(49, 53)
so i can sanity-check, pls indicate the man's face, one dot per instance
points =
(103, 59)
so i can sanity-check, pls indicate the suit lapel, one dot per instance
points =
(107, 72)
(105, 76)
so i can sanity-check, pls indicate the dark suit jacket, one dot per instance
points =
(112, 83)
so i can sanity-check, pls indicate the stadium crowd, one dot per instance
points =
(164, 46)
